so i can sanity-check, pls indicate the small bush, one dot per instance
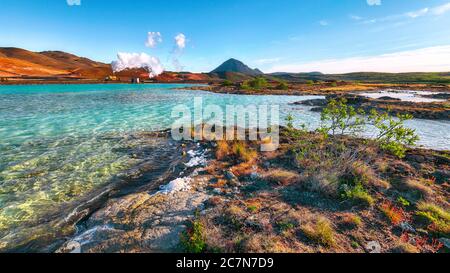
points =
(394, 214)
(393, 136)
(192, 240)
(227, 83)
(321, 232)
(310, 82)
(358, 195)
(339, 118)
(245, 85)
(258, 83)
(282, 86)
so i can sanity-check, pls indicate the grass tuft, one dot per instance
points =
(320, 232)
(395, 214)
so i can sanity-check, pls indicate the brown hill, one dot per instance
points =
(10, 67)
(24, 63)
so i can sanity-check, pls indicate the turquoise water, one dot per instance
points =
(59, 142)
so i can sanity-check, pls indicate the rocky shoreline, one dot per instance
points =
(420, 110)
(261, 205)
(318, 89)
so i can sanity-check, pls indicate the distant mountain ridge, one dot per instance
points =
(236, 66)
(17, 63)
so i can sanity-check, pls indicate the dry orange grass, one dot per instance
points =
(349, 87)
(222, 150)
(420, 187)
(395, 214)
(242, 152)
(351, 220)
(282, 177)
(368, 175)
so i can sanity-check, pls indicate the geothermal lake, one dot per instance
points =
(60, 142)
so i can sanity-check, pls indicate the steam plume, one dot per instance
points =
(153, 38)
(136, 60)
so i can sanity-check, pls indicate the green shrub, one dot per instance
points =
(393, 136)
(402, 201)
(339, 118)
(257, 84)
(192, 240)
(246, 85)
(227, 83)
(282, 86)
(358, 195)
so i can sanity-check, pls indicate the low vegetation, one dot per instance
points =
(193, 239)
(320, 231)
(392, 135)
(395, 214)
(327, 191)
(237, 150)
(437, 219)
(282, 86)
(255, 84)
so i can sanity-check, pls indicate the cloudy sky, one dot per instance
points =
(332, 36)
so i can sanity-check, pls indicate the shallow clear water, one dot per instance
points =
(59, 142)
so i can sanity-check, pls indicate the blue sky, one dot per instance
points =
(273, 35)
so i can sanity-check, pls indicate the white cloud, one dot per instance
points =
(374, 2)
(439, 10)
(73, 2)
(417, 13)
(180, 40)
(136, 60)
(431, 59)
(153, 38)
(436, 11)
(355, 17)
(323, 23)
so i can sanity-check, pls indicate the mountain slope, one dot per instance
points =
(72, 61)
(21, 62)
(236, 66)
(10, 67)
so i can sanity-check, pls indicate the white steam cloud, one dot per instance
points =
(153, 38)
(180, 45)
(180, 40)
(136, 60)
